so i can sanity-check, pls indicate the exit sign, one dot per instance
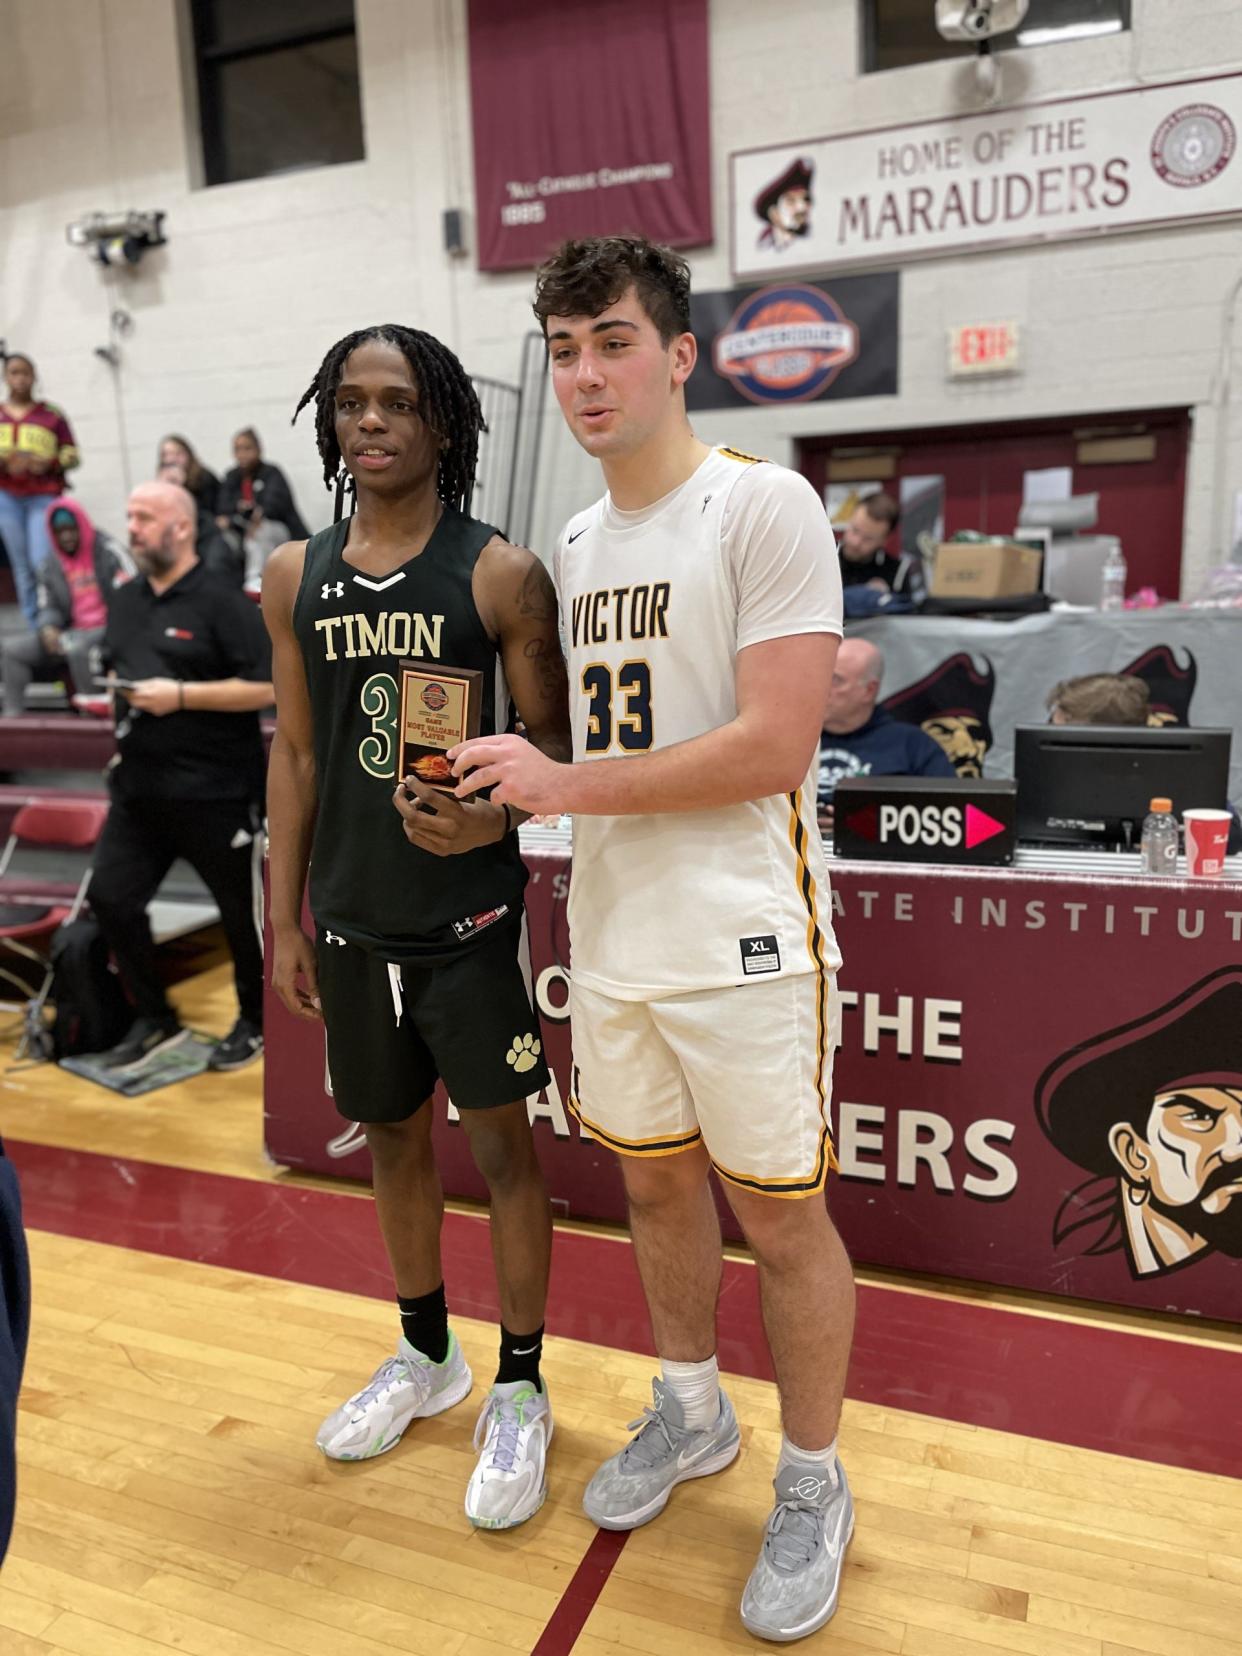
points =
(983, 348)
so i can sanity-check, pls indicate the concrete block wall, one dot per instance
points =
(230, 321)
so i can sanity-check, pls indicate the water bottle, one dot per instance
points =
(1113, 579)
(1158, 846)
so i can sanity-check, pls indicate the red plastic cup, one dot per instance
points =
(1207, 834)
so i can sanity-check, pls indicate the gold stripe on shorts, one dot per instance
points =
(815, 947)
(661, 1145)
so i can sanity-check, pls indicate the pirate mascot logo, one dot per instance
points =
(1171, 685)
(784, 207)
(952, 705)
(1153, 1111)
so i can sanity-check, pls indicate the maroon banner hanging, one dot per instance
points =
(588, 120)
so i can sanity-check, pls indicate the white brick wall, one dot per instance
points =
(230, 321)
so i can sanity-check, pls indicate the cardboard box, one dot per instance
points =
(984, 569)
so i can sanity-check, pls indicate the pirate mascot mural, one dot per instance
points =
(1153, 1111)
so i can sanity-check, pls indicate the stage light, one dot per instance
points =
(118, 238)
(978, 19)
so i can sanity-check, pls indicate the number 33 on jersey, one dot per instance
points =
(656, 606)
(656, 603)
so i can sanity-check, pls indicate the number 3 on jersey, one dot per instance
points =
(631, 727)
(377, 752)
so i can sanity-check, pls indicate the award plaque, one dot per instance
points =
(440, 707)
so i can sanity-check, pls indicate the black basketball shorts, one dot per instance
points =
(393, 1031)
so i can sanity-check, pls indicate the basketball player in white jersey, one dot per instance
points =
(702, 606)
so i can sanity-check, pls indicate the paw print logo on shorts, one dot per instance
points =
(524, 1053)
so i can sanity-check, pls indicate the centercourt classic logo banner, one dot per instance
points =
(796, 342)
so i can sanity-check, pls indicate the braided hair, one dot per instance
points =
(447, 404)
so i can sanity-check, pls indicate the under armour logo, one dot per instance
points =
(707, 500)
(328, 590)
(810, 1489)
(331, 937)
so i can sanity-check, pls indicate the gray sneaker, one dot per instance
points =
(406, 1387)
(632, 1487)
(793, 1588)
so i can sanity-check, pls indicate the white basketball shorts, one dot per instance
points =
(747, 1070)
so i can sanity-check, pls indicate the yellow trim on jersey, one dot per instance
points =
(740, 454)
(633, 721)
(663, 1144)
(815, 948)
(788, 1189)
(593, 726)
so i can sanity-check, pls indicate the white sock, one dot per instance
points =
(696, 1386)
(791, 1455)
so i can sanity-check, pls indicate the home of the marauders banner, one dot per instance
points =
(588, 120)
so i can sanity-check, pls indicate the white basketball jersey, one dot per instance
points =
(655, 606)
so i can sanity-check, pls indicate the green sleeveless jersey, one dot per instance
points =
(368, 884)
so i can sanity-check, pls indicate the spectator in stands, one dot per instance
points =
(861, 739)
(1100, 699)
(76, 582)
(255, 490)
(194, 665)
(200, 480)
(214, 548)
(1116, 699)
(36, 450)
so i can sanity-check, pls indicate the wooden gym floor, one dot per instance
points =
(1030, 1477)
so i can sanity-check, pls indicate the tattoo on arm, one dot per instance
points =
(537, 597)
(549, 665)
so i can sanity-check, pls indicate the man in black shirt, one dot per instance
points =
(192, 667)
(864, 562)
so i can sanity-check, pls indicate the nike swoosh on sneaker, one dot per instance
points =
(687, 1457)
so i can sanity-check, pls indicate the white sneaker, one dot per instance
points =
(407, 1387)
(509, 1483)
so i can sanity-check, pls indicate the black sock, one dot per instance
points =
(424, 1322)
(519, 1357)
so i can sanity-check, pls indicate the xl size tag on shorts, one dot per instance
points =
(760, 954)
(479, 922)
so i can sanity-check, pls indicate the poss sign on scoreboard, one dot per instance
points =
(921, 819)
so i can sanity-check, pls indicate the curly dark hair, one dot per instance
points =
(447, 403)
(582, 278)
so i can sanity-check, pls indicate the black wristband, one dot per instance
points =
(508, 819)
(181, 695)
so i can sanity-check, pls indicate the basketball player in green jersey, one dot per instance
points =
(419, 966)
